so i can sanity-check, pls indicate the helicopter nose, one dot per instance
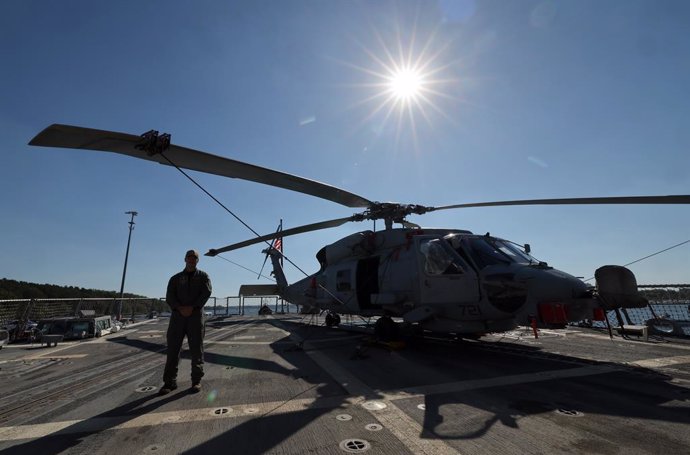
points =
(557, 297)
(553, 284)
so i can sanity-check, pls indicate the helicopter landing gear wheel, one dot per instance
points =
(386, 329)
(332, 319)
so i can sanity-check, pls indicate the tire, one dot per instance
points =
(332, 319)
(386, 329)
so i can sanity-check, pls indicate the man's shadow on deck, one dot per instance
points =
(73, 435)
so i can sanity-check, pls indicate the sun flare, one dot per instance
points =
(407, 82)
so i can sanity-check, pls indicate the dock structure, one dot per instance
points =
(277, 384)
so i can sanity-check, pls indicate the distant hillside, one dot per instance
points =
(11, 289)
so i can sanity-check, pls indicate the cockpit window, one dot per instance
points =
(515, 253)
(437, 259)
(485, 254)
(487, 251)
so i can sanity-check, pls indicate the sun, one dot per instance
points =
(406, 84)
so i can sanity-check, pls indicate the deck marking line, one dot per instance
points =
(230, 343)
(98, 424)
(661, 361)
(407, 430)
(56, 357)
(475, 384)
(242, 342)
(46, 357)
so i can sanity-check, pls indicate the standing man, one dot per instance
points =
(187, 294)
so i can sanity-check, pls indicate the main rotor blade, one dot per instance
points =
(68, 136)
(285, 233)
(674, 199)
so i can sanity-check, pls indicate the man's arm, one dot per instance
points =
(171, 294)
(205, 292)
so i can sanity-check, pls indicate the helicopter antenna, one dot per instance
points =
(649, 256)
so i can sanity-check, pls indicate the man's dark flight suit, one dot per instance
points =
(186, 289)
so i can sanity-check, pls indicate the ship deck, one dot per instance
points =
(285, 384)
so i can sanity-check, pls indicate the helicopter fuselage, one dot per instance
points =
(443, 280)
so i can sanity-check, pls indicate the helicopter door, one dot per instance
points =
(367, 282)
(444, 277)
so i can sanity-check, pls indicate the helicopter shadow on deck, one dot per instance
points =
(627, 395)
(467, 361)
(603, 388)
(615, 391)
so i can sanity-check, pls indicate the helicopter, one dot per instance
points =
(449, 281)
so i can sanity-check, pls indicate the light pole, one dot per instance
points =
(124, 271)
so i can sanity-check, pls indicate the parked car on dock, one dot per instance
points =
(17, 333)
(75, 328)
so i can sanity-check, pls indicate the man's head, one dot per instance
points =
(190, 259)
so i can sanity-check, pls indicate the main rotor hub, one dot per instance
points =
(391, 212)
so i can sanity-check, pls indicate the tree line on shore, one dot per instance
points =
(12, 289)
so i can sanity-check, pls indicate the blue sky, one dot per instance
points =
(523, 99)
